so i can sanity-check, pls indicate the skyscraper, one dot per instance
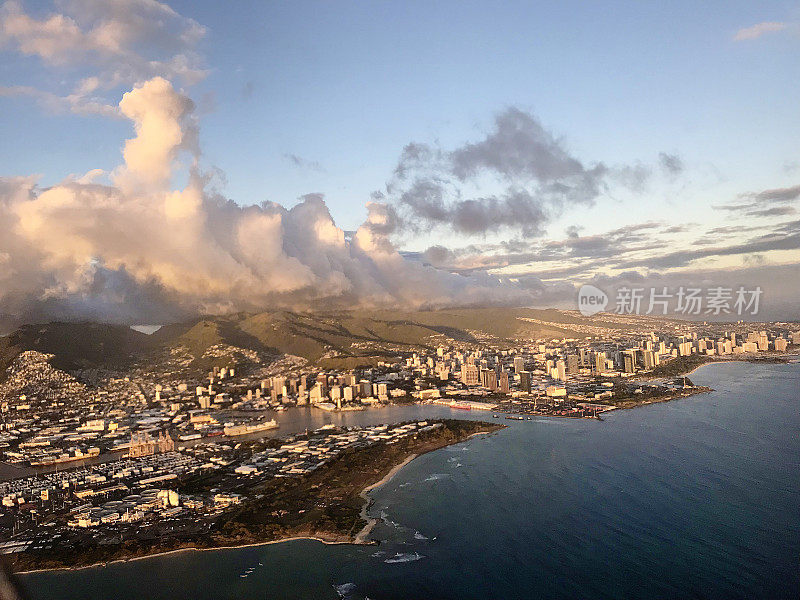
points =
(599, 362)
(525, 381)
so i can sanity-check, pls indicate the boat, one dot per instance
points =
(234, 430)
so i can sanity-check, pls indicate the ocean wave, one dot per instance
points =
(437, 477)
(404, 558)
(345, 590)
(419, 536)
(385, 518)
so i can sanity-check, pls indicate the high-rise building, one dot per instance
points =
(525, 381)
(470, 374)
(572, 364)
(489, 379)
(584, 357)
(763, 341)
(599, 362)
(519, 364)
(502, 382)
(629, 361)
(561, 371)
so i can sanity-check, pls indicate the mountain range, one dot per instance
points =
(329, 339)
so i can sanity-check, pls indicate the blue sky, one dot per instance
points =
(322, 97)
(347, 84)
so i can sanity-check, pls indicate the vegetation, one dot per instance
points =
(325, 504)
(680, 365)
(333, 339)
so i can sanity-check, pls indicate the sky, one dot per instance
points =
(194, 157)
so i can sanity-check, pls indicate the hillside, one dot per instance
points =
(345, 338)
(75, 345)
(330, 339)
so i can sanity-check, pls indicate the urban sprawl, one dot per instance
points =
(100, 453)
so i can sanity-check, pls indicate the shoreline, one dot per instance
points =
(179, 550)
(781, 359)
(358, 540)
(361, 536)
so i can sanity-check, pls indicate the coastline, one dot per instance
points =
(772, 358)
(359, 539)
(329, 538)
(361, 536)
(187, 549)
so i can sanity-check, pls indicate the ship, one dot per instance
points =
(64, 458)
(235, 430)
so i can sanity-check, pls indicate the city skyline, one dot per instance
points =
(151, 142)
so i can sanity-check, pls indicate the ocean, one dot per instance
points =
(694, 498)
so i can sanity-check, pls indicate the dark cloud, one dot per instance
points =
(677, 229)
(754, 209)
(764, 243)
(730, 230)
(438, 255)
(774, 211)
(540, 177)
(671, 164)
(633, 177)
(519, 147)
(303, 163)
(778, 194)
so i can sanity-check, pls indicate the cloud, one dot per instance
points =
(75, 103)
(518, 147)
(756, 31)
(753, 209)
(671, 164)
(774, 211)
(787, 194)
(762, 204)
(516, 178)
(779, 240)
(530, 173)
(139, 250)
(103, 45)
(303, 163)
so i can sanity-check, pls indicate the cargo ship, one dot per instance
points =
(65, 458)
(234, 430)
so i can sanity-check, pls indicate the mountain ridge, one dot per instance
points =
(335, 338)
